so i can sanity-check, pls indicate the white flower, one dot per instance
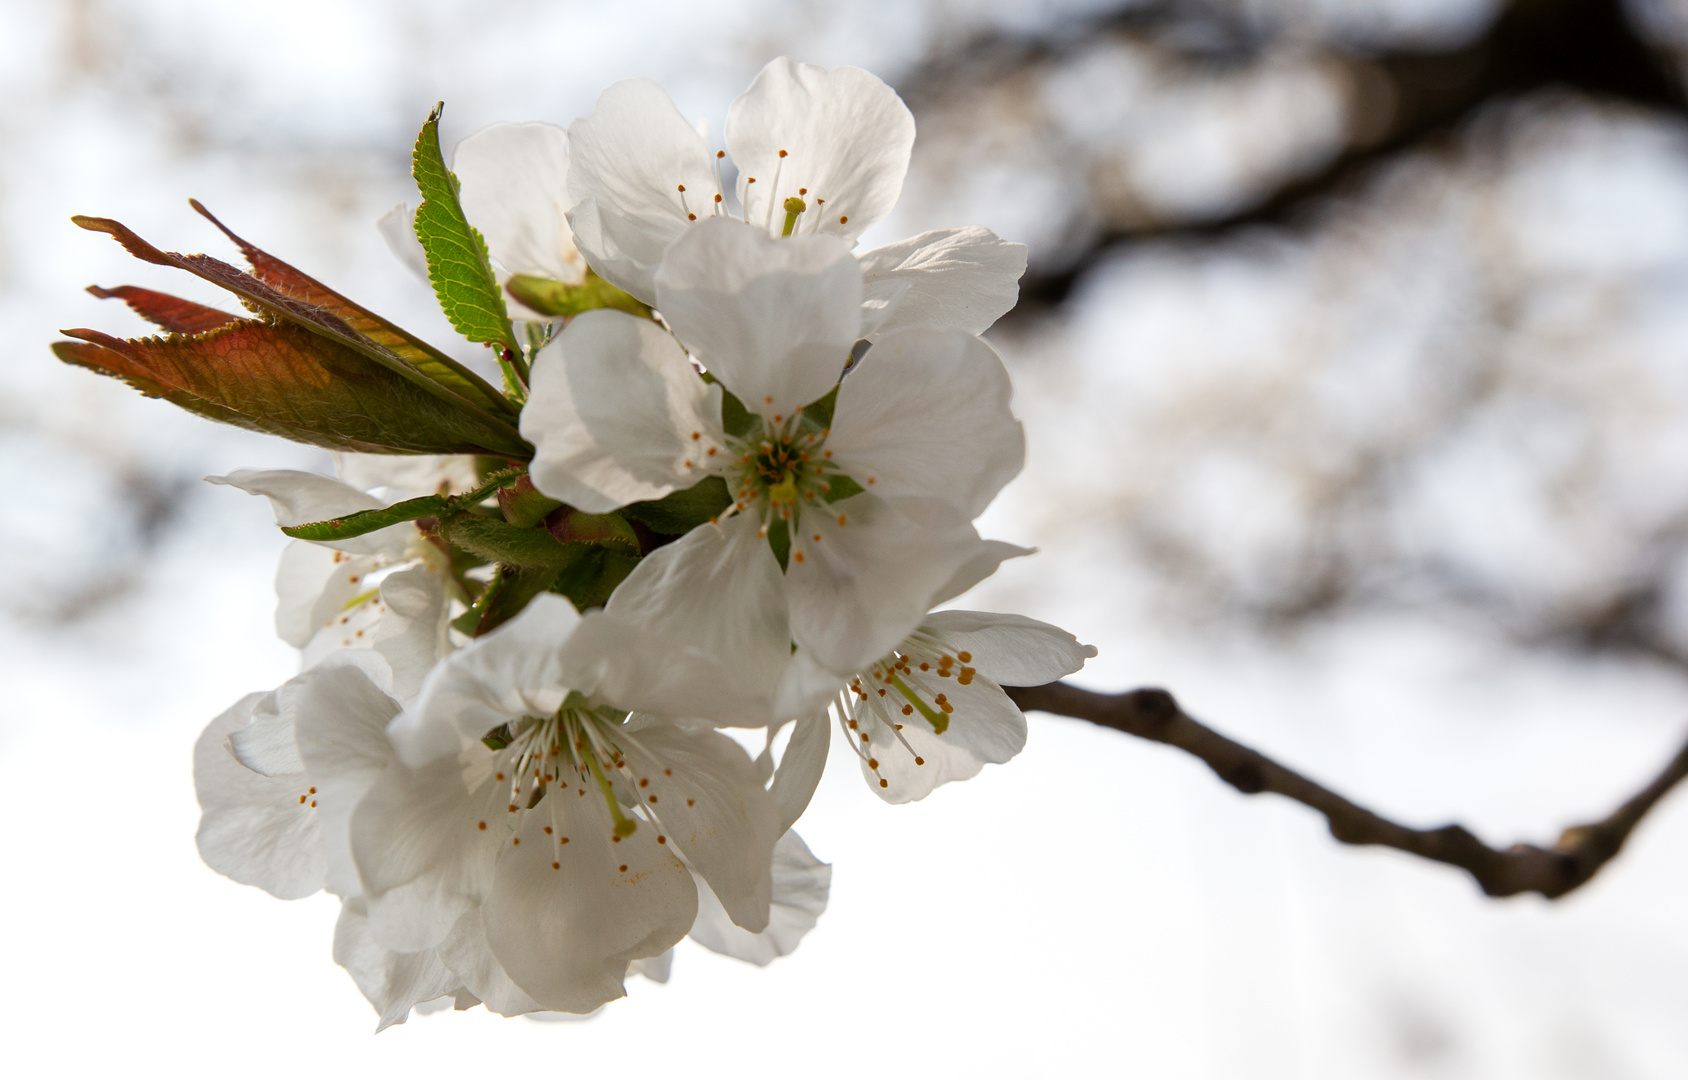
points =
(933, 710)
(389, 590)
(277, 776)
(513, 188)
(526, 799)
(817, 152)
(920, 437)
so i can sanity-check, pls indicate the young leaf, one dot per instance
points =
(404, 345)
(281, 379)
(458, 264)
(682, 511)
(367, 521)
(425, 506)
(278, 304)
(171, 312)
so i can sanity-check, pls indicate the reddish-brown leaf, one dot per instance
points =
(266, 298)
(282, 379)
(171, 312)
(298, 285)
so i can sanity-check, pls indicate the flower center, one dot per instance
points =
(575, 747)
(907, 687)
(779, 467)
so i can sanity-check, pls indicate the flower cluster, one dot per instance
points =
(730, 480)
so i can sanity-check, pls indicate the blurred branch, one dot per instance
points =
(1579, 854)
(1402, 99)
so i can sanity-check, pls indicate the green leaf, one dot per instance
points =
(278, 303)
(549, 297)
(282, 380)
(458, 264)
(593, 573)
(682, 511)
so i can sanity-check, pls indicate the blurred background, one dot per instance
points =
(1353, 356)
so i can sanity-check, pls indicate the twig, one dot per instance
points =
(1579, 854)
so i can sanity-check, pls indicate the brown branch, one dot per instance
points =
(1154, 715)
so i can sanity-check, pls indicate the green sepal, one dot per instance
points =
(523, 505)
(680, 512)
(458, 264)
(779, 539)
(736, 420)
(819, 411)
(841, 487)
(593, 573)
(503, 599)
(556, 298)
(496, 540)
(571, 526)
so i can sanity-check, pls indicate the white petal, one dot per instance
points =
(657, 969)
(413, 635)
(299, 498)
(421, 853)
(406, 476)
(564, 919)
(514, 671)
(514, 181)
(863, 586)
(800, 768)
(805, 686)
(466, 953)
(341, 719)
(845, 136)
(801, 884)
(313, 585)
(926, 414)
(946, 279)
(985, 728)
(629, 157)
(612, 414)
(703, 789)
(393, 982)
(398, 228)
(991, 554)
(1011, 650)
(268, 745)
(774, 320)
(258, 830)
(619, 662)
(719, 589)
